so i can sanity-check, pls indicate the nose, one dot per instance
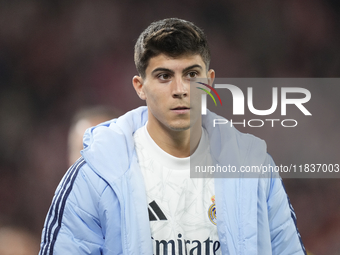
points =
(180, 88)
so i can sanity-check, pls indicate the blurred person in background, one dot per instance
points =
(16, 241)
(131, 192)
(82, 120)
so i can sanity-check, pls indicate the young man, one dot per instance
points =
(131, 192)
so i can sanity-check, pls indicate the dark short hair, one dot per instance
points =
(172, 37)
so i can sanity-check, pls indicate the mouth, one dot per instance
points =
(181, 109)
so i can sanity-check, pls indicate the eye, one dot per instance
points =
(164, 76)
(192, 74)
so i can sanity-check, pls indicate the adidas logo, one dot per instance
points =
(155, 213)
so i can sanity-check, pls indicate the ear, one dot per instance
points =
(211, 76)
(137, 82)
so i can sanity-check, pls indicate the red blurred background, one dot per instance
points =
(57, 57)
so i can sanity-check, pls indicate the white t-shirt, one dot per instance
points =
(182, 210)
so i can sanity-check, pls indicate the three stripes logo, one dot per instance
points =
(212, 89)
(54, 220)
(155, 213)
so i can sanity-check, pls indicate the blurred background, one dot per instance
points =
(58, 57)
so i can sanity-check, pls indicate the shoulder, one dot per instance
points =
(78, 213)
(83, 194)
(81, 176)
(230, 146)
(80, 187)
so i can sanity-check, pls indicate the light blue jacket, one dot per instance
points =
(100, 206)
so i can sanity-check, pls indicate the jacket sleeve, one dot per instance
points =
(74, 223)
(285, 237)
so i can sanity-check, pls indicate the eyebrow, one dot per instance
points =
(192, 67)
(162, 69)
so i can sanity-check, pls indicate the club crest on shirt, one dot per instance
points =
(212, 211)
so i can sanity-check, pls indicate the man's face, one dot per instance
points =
(166, 89)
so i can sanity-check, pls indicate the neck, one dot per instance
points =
(180, 144)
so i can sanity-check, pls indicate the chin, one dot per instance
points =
(180, 126)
